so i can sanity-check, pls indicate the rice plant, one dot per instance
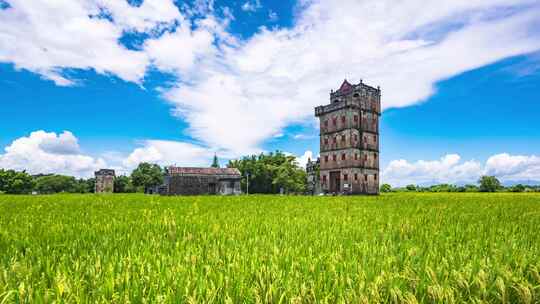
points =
(396, 248)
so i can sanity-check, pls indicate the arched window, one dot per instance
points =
(356, 95)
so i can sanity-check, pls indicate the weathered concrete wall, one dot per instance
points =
(201, 184)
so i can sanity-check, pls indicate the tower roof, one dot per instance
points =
(345, 87)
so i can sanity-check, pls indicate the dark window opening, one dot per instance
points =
(343, 156)
(345, 177)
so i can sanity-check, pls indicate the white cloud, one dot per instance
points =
(514, 167)
(251, 5)
(48, 152)
(450, 169)
(43, 152)
(302, 160)
(235, 94)
(168, 153)
(65, 143)
(46, 37)
(251, 91)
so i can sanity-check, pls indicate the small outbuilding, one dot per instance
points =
(104, 181)
(196, 181)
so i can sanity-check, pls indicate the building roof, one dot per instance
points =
(345, 88)
(105, 172)
(203, 171)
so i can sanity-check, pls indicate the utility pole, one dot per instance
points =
(247, 184)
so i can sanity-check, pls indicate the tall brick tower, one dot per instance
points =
(349, 143)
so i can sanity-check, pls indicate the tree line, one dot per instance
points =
(15, 182)
(271, 173)
(485, 184)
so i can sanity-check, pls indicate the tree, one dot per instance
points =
(386, 188)
(489, 184)
(518, 188)
(123, 184)
(268, 173)
(49, 184)
(215, 163)
(14, 182)
(411, 187)
(147, 175)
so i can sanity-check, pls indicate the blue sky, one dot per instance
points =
(107, 83)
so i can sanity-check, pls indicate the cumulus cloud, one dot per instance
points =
(237, 93)
(47, 37)
(514, 167)
(252, 90)
(450, 169)
(48, 152)
(168, 153)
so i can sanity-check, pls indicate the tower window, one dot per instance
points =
(345, 177)
(326, 123)
(334, 121)
(356, 176)
(365, 177)
(355, 95)
(342, 137)
(355, 137)
(334, 158)
(324, 178)
(355, 118)
(343, 119)
(326, 158)
(375, 176)
(343, 156)
(334, 139)
(326, 141)
(355, 156)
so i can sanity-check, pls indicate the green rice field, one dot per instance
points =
(395, 248)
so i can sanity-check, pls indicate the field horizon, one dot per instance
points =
(398, 247)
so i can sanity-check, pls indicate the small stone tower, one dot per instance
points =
(349, 140)
(104, 181)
